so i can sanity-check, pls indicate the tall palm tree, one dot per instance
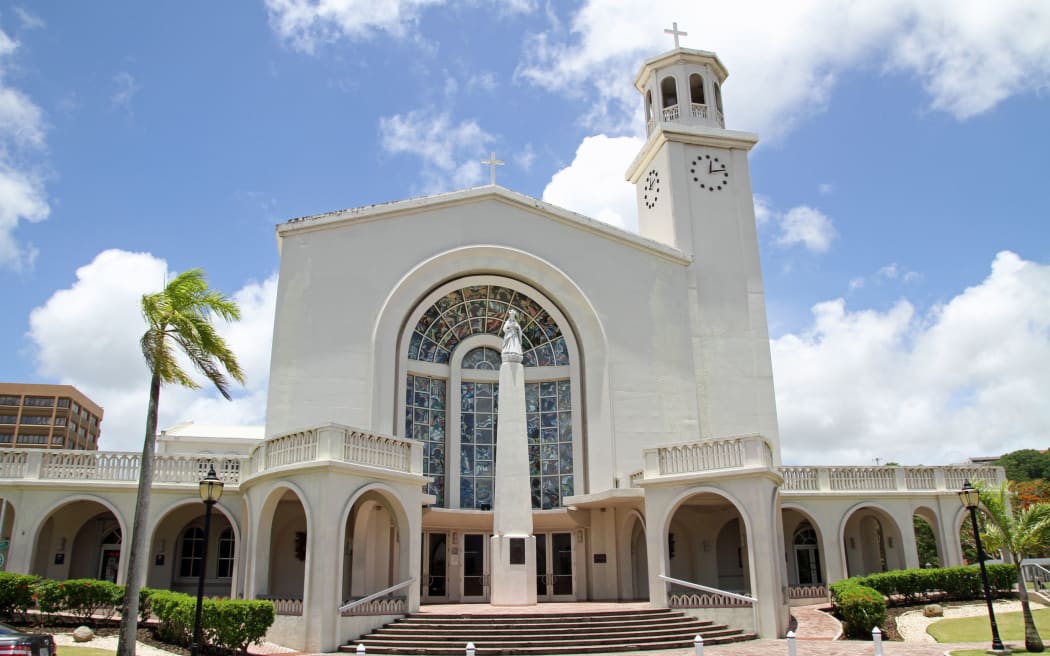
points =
(1021, 532)
(178, 319)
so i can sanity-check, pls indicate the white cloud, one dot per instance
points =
(308, 24)
(967, 378)
(826, 189)
(29, 20)
(126, 90)
(785, 57)
(806, 226)
(23, 197)
(88, 335)
(594, 183)
(451, 154)
(525, 158)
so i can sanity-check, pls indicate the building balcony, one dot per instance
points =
(693, 114)
(325, 444)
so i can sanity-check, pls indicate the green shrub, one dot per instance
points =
(175, 612)
(233, 624)
(227, 624)
(84, 598)
(861, 608)
(909, 585)
(145, 609)
(16, 593)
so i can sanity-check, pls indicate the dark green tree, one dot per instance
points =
(925, 542)
(1025, 464)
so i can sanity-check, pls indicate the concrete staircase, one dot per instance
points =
(561, 633)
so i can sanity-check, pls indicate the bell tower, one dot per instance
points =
(694, 194)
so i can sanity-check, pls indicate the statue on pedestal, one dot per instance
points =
(511, 338)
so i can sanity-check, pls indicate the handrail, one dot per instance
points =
(376, 595)
(704, 588)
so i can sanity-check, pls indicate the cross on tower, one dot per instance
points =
(493, 163)
(675, 33)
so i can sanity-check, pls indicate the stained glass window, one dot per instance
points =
(477, 446)
(548, 417)
(481, 310)
(425, 421)
(483, 358)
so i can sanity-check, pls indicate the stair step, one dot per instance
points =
(433, 634)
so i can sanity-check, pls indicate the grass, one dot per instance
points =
(976, 629)
(65, 650)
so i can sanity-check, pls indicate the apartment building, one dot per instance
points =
(48, 417)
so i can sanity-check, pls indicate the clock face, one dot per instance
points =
(651, 189)
(710, 172)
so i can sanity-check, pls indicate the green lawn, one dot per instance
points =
(65, 650)
(977, 629)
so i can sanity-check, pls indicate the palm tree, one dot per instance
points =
(178, 316)
(1021, 532)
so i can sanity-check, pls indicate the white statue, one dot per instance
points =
(511, 338)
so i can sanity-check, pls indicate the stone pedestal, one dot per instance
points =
(513, 573)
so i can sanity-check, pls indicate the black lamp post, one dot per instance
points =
(971, 499)
(210, 490)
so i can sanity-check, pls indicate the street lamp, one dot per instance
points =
(210, 491)
(971, 499)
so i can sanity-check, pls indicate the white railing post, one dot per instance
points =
(698, 645)
(470, 649)
(791, 643)
(876, 639)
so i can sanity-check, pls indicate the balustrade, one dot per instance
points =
(708, 455)
(894, 479)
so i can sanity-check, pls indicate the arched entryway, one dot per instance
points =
(81, 538)
(806, 560)
(177, 547)
(372, 547)
(282, 557)
(928, 544)
(872, 541)
(7, 523)
(639, 560)
(707, 543)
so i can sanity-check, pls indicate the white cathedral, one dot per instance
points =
(653, 456)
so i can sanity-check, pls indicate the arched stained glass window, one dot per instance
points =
(483, 358)
(451, 402)
(481, 310)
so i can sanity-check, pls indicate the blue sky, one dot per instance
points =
(900, 181)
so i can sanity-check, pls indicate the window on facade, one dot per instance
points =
(668, 92)
(482, 310)
(40, 401)
(192, 552)
(36, 421)
(5, 438)
(63, 403)
(718, 97)
(648, 106)
(24, 438)
(224, 567)
(696, 89)
(10, 400)
(477, 447)
(8, 419)
(60, 421)
(425, 421)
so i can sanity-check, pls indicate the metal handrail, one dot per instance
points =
(376, 595)
(704, 588)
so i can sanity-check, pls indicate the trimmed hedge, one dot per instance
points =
(860, 607)
(16, 593)
(228, 624)
(909, 585)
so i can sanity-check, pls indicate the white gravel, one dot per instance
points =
(108, 642)
(912, 625)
